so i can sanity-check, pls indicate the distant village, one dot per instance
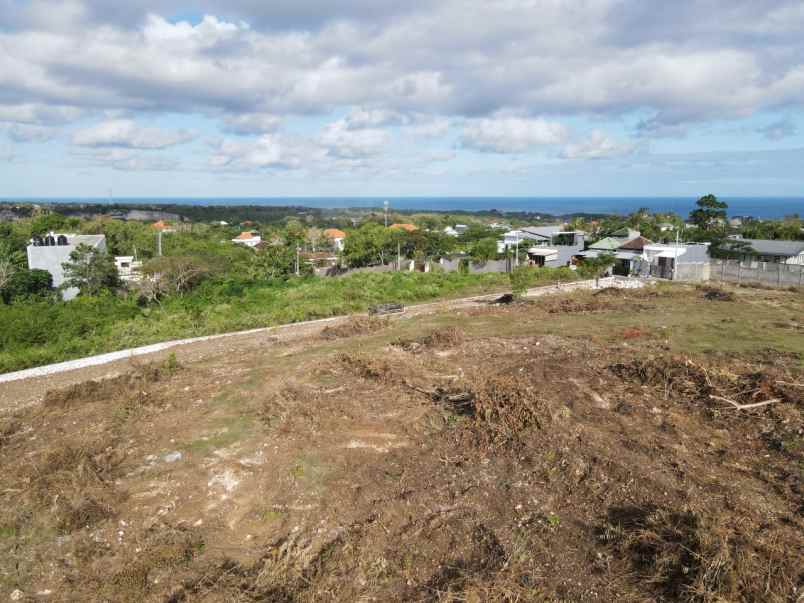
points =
(625, 251)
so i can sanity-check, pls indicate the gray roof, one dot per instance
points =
(543, 231)
(768, 247)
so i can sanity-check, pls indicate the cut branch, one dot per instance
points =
(739, 406)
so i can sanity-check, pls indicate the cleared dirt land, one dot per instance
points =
(598, 446)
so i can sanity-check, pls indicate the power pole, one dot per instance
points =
(385, 204)
(159, 243)
(298, 250)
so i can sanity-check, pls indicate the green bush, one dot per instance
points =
(41, 332)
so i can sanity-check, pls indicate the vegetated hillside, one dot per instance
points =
(610, 446)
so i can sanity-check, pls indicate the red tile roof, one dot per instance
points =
(408, 227)
(334, 233)
(637, 244)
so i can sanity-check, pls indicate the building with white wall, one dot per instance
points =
(53, 250)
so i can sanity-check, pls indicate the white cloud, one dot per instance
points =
(126, 133)
(127, 160)
(38, 113)
(23, 133)
(267, 151)
(347, 142)
(248, 124)
(511, 134)
(597, 146)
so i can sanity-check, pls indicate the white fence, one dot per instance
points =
(766, 273)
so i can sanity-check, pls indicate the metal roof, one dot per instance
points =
(769, 247)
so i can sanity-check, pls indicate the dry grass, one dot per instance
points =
(684, 555)
(356, 325)
(437, 339)
(132, 383)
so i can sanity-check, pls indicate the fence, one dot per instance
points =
(766, 273)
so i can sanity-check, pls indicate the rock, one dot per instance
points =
(172, 457)
(16, 595)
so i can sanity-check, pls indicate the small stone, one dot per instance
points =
(16, 595)
(172, 457)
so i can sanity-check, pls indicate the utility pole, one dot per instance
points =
(398, 256)
(385, 204)
(298, 251)
(159, 243)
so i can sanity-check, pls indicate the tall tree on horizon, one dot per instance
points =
(711, 211)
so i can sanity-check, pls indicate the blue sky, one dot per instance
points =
(425, 97)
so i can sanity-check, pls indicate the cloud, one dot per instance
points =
(127, 160)
(777, 130)
(269, 151)
(344, 140)
(612, 57)
(23, 133)
(511, 134)
(38, 113)
(126, 133)
(597, 146)
(249, 124)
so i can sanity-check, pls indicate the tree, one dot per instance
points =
(90, 270)
(25, 283)
(368, 245)
(7, 270)
(273, 261)
(314, 237)
(710, 213)
(172, 275)
(476, 232)
(484, 250)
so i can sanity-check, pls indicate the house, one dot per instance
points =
(162, 226)
(461, 228)
(53, 250)
(545, 245)
(780, 252)
(534, 236)
(336, 237)
(450, 231)
(249, 238)
(128, 268)
(629, 257)
(406, 227)
(669, 260)
(606, 245)
(666, 227)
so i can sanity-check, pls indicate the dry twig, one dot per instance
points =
(739, 406)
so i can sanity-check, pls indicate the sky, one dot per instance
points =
(402, 98)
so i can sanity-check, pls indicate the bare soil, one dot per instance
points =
(567, 450)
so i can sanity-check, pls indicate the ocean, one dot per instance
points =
(760, 207)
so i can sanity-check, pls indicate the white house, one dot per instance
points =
(248, 238)
(450, 231)
(337, 237)
(53, 250)
(128, 268)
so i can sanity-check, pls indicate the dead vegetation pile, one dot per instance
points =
(717, 294)
(715, 387)
(438, 339)
(356, 325)
(133, 383)
(686, 555)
